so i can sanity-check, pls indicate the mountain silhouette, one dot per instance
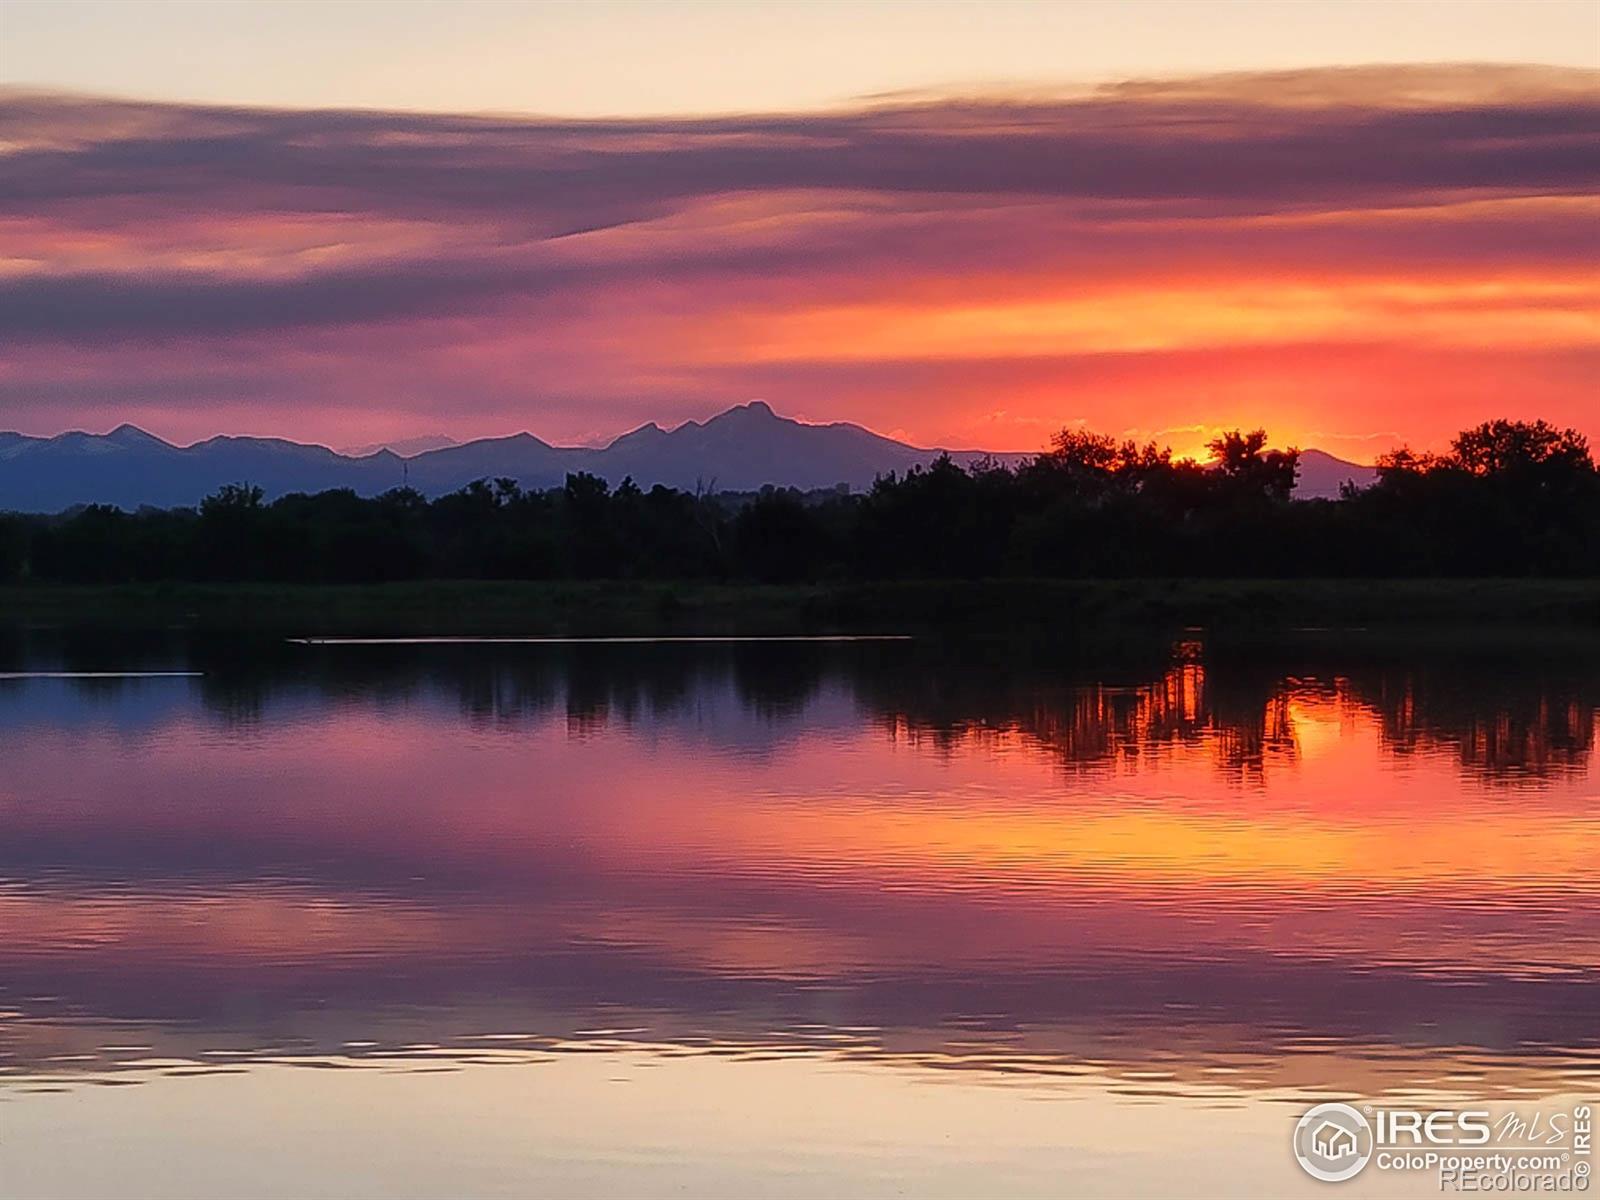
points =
(742, 449)
(1321, 475)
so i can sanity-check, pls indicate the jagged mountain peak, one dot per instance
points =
(128, 434)
(648, 432)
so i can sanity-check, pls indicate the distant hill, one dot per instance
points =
(1321, 476)
(742, 449)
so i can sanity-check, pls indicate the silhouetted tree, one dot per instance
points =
(1249, 469)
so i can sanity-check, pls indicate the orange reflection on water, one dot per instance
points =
(1231, 869)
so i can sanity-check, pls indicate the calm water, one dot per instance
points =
(791, 919)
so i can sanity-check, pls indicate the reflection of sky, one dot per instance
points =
(860, 852)
(922, 887)
(127, 706)
(636, 1123)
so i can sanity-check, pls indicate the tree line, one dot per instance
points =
(1508, 498)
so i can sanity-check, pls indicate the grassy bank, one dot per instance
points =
(447, 607)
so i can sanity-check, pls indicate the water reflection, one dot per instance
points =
(1186, 870)
(1508, 713)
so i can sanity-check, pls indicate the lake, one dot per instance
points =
(836, 918)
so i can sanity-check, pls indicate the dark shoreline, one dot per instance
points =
(983, 606)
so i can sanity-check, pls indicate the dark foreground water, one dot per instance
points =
(779, 919)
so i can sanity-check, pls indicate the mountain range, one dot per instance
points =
(741, 449)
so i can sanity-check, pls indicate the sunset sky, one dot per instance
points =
(959, 224)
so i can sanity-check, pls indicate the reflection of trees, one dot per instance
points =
(591, 685)
(1093, 724)
(1505, 711)
(1519, 713)
(1536, 721)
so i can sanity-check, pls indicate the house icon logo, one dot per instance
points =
(1333, 1142)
